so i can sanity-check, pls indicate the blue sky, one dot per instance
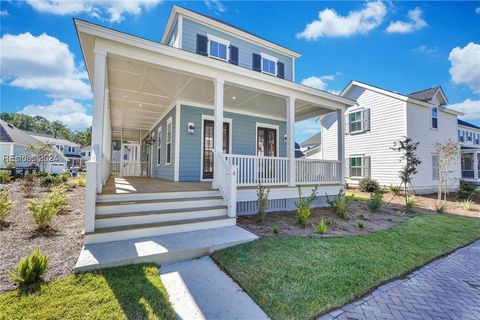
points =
(400, 46)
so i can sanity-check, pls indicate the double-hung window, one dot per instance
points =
(477, 138)
(469, 136)
(159, 146)
(355, 120)
(269, 64)
(356, 167)
(435, 168)
(461, 134)
(434, 118)
(218, 47)
(169, 141)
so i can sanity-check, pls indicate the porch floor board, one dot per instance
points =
(128, 185)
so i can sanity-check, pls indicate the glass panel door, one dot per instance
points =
(208, 145)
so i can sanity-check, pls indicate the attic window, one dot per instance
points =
(218, 47)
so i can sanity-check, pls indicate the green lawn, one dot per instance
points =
(301, 278)
(133, 292)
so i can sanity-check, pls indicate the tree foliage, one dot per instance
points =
(40, 124)
(447, 154)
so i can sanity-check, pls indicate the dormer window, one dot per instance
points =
(434, 118)
(218, 47)
(269, 64)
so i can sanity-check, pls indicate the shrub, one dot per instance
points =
(64, 177)
(5, 177)
(5, 205)
(368, 185)
(58, 198)
(321, 228)
(375, 202)
(410, 201)
(82, 182)
(395, 190)
(30, 269)
(50, 181)
(275, 229)
(439, 208)
(42, 174)
(304, 206)
(361, 225)
(466, 190)
(339, 204)
(262, 202)
(28, 185)
(42, 212)
(467, 204)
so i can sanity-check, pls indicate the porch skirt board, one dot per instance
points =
(246, 208)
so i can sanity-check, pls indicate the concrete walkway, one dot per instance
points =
(198, 289)
(448, 288)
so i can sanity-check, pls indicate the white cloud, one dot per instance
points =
(71, 113)
(429, 51)
(470, 107)
(415, 23)
(4, 13)
(318, 82)
(466, 66)
(215, 5)
(477, 11)
(111, 10)
(330, 24)
(42, 63)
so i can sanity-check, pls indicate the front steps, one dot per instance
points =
(128, 216)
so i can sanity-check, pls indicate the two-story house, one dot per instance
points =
(202, 118)
(469, 139)
(69, 149)
(382, 117)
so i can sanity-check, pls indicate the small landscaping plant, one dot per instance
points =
(395, 190)
(410, 202)
(275, 229)
(321, 228)
(50, 180)
(43, 212)
(339, 204)
(467, 204)
(368, 185)
(304, 206)
(30, 269)
(375, 202)
(58, 198)
(361, 225)
(439, 207)
(5, 205)
(262, 202)
(28, 185)
(5, 177)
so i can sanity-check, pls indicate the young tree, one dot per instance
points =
(408, 149)
(42, 153)
(447, 153)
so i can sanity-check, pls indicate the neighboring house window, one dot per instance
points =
(434, 117)
(461, 135)
(435, 168)
(269, 64)
(477, 139)
(469, 136)
(218, 47)
(159, 146)
(359, 166)
(169, 141)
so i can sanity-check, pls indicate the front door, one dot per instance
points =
(208, 143)
(131, 165)
(266, 142)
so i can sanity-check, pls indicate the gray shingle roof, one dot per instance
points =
(314, 140)
(425, 95)
(13, 134)
(467, 124)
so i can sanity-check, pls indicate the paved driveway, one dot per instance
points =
(448, 288)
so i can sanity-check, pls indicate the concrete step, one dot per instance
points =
(143, 217)
(161, 249)
(114, 207)
(154, 196)
(124, 232)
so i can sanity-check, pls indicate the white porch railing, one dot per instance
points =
(311, 171)
(225, 179)
(115, 168)
(254, 170)
(133, 168)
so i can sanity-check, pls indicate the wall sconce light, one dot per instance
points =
(191, 127)
(150, 141)
(285, 139)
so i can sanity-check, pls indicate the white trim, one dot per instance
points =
(176, 169)
(270, 58)
(169, 122)
(180, 32)
(219, 40)
(362, 129)
(161, 118)
(230, 134)
(268, 126)
(224, 28)
(362, 167)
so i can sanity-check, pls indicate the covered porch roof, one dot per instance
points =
(146, 79)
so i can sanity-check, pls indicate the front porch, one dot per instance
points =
(470, 161)
(145, 184)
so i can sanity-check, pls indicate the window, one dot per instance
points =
(435, 168)
(355, 120)
(218, 47)
(434, 117)
(461, 135)
(356, 167)
(469, 136)
(269, 64)
(169, 141)
(477, 139)
(159, 146)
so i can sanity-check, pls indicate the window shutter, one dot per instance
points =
(234, 55)
(347, 124)
(202, 44)
(366, 120)
(257, 62)
(366, 166)
(281, 70)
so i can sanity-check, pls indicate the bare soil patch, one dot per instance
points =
(19, 237)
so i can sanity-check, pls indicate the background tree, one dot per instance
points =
(42, 154)
(447, 153)
(408, 149)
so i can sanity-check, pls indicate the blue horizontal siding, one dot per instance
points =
(243, 138)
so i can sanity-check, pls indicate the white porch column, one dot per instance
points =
(341, 144)
(475, 166)
(99, 113)
(218, 124)
(291, 140)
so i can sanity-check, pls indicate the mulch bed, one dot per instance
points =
(19, 237)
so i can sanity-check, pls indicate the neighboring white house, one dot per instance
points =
(312, 146)
(382, 117)
(14, 151)
(469, 139)
(70, 150)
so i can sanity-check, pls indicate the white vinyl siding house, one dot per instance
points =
(469, 139)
